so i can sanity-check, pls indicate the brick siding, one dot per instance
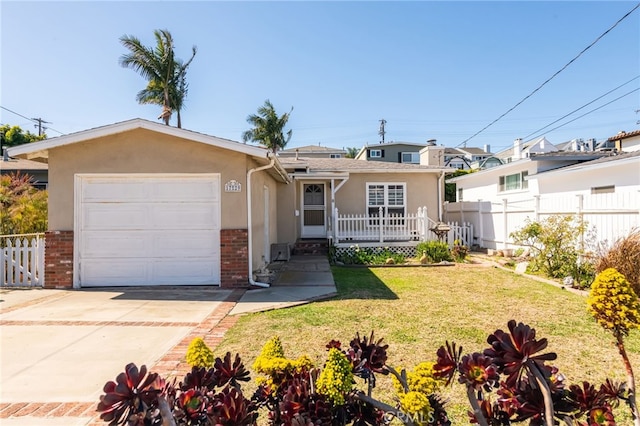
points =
(234, 258)
(58, 259)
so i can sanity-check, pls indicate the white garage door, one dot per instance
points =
(147, 230)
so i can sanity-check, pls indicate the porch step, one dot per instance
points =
(311, 248)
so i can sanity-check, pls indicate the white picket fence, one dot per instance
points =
(608, 216)
(22, 260)
(380, 229)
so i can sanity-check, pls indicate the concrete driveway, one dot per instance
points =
(59, 347)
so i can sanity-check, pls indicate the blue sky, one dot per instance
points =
(433, 69)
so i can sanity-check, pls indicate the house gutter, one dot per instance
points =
(250, 219)
(440, 195)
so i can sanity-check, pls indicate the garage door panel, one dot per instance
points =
(122, 189)
(194, 190)
(97, 272)
(185, 244)
(115, 244)
(194, 271)
(149, 230)
(115, 216)
(185, 216)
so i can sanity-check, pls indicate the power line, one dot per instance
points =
(589, 112)
(578, 109)
(550, 78)
(38, 121)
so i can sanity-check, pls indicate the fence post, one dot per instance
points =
(380, 230)
(336, 230)
(480, 225)
(504, 224)
(581, 219)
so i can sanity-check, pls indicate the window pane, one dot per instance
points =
(396, 195)
(512, 182)
(376, 195)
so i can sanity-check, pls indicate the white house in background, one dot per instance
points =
(513, 180)
(602, 187)
(521, 150)
(465, 158)
(626, 141)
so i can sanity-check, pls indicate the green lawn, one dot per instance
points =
(417, 309)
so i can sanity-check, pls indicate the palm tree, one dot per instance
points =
(165, 74)
(268, 128)
(351, 152)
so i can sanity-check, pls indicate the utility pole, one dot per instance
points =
(381, 132)
(40, 126)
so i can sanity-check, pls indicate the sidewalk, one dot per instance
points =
(59, 347)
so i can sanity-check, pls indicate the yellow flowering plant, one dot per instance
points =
(615, 306)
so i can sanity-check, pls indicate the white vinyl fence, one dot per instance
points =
(608, 216)
(22, 260)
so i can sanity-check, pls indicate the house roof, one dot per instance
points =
(569, 155)
(354, 166)
(311, 149)
(41, 149)
(505, 153)
(624, 135)
(474, 151)
(22, 164)
(597, 163)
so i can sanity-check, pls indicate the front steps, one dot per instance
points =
(311, 247)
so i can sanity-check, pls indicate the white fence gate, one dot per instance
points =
(22, 260)
(608, 216)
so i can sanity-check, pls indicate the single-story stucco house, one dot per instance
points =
(141, 203)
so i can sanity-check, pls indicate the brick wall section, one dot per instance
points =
(234, 258)
(58, 259)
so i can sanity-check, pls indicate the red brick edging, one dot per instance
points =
(172, 364)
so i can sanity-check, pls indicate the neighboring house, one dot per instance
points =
(512, 181)
(521, 150)
(313, 151)
(578, 145)
(38, 171)
(141, 203)
(465, 158)
(602, 186)
(392, 152)
(626, 141)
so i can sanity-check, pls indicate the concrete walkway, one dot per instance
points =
(59, 347)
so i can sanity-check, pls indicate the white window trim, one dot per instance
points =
(386, 205)
(415, 157)
(523, 184)
(375, 153)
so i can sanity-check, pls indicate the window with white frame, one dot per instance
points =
(335, 156)
(392, 197)
(514, 182)
(375, 153)
(410, 157)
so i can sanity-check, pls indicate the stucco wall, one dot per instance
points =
(142, 151)
(421, 191)
(288, 222)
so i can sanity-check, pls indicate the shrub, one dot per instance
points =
(199, 354)
(370, 256)
(557, 247)
(23, 208)
(624, 256)
(436, 251)
(459, 251)
(509, 382)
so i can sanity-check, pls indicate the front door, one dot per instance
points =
(313, 211)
